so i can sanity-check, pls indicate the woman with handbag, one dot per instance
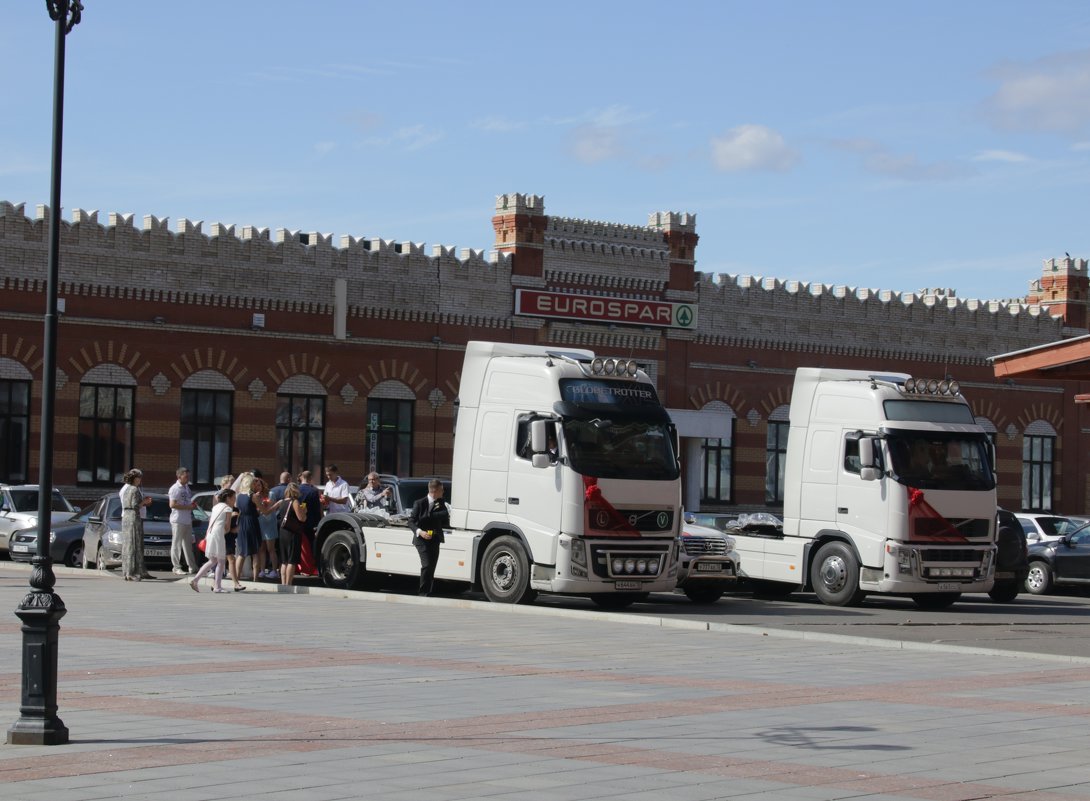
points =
(292, 526)
(215, 541)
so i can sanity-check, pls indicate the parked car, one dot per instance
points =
(102, 533)
(1065, 561)
(1041, 527)
(707, 563)
(19, 510)
(1012, 558)
(65, 540)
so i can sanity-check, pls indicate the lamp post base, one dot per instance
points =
(40, 611)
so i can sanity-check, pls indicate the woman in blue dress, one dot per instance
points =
(249, 528)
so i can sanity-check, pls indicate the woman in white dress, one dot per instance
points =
(215, 541)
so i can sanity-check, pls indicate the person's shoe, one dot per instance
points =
(178, 571)
(193, 586)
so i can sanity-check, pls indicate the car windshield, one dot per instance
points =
(633, 449)
(1056, 526)
(936, 460)
(27, 501)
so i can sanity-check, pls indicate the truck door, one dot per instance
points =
(533, 493)
(860, 508)
(487, 494)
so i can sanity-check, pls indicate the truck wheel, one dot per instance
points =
(1039, 580)
(341, 566)
(704, 595)
(936, 600)
(1004, 592)
(617, 600)
(834, 575)
(505, 572)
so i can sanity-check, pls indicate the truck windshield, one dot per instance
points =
(931, 460)
(633, 449)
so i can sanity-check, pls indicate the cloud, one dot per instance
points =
(496, 124)
(1048, 95)
(752, 147)
(877, 158)
(602, 134)
(1005, 156)
(412, 137)
(1080, 146)
(591, 145)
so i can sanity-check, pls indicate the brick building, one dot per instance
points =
(231, 349)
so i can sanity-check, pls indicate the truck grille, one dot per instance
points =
(603, 559)
(969, 528)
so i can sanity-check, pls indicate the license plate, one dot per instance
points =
(949, 586)
(161, 552)
(708, 567)
(626, 586)
(20, 548)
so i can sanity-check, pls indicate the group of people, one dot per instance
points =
(273, 527)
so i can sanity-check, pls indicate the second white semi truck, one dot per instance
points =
(889, 487)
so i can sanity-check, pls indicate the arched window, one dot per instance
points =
(776, 454)
(14, 421)
(717, 483)
(104, 447)
(300, 425)
(390, 409)
(1038, 443)
(205, 426)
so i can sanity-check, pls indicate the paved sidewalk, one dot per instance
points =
(261, 695)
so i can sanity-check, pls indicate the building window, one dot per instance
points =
(300, 432)
(716, 483)
(390, 436)
(14, 430)
(206, 434)
(104, 449)
(1037, 453)
(775, 460)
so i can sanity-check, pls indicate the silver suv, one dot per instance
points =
(19, 510)
(707, 563)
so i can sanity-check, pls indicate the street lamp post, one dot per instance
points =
(41, 608)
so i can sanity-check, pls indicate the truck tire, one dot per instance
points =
(704, 595)
(936, 600)
(1003, 592)
(834, 575)
(505, 572)
(341, 566)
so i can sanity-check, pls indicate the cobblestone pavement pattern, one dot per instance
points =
(261, 695)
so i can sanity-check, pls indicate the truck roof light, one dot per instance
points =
(633, 368)
(596, 365)
(955, 388)
(933, 386)
(610, 366)
(944, 387)
(910, 384)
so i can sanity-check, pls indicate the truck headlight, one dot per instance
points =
(579, 558)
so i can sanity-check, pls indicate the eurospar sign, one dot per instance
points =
(622, 311)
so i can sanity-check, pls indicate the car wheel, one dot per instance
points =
(74, 556)
(1004, 592)
(704, 595)
(1039, 579)
(505, 572)
(834, 575)
(100, 559)
(936, 600)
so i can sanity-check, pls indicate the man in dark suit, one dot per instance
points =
(430, 515)
(309, 496)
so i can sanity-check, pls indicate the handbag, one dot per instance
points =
(291, 522)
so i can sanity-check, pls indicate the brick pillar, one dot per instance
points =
(1064, 289)
(520, 223)
(679, 233)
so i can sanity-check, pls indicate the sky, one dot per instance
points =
(870, 144)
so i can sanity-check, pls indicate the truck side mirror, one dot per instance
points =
(538, 439)
(868, 470)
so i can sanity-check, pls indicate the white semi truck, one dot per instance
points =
(889, 487)
(565, 480)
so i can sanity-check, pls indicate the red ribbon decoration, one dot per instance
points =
(593, 498)
(920, 509)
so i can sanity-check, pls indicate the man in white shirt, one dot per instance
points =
(335, 498)
(181, 523)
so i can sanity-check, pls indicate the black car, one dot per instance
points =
(65, 540)
(1012, 558)
(102, 534)
(1065, 561)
